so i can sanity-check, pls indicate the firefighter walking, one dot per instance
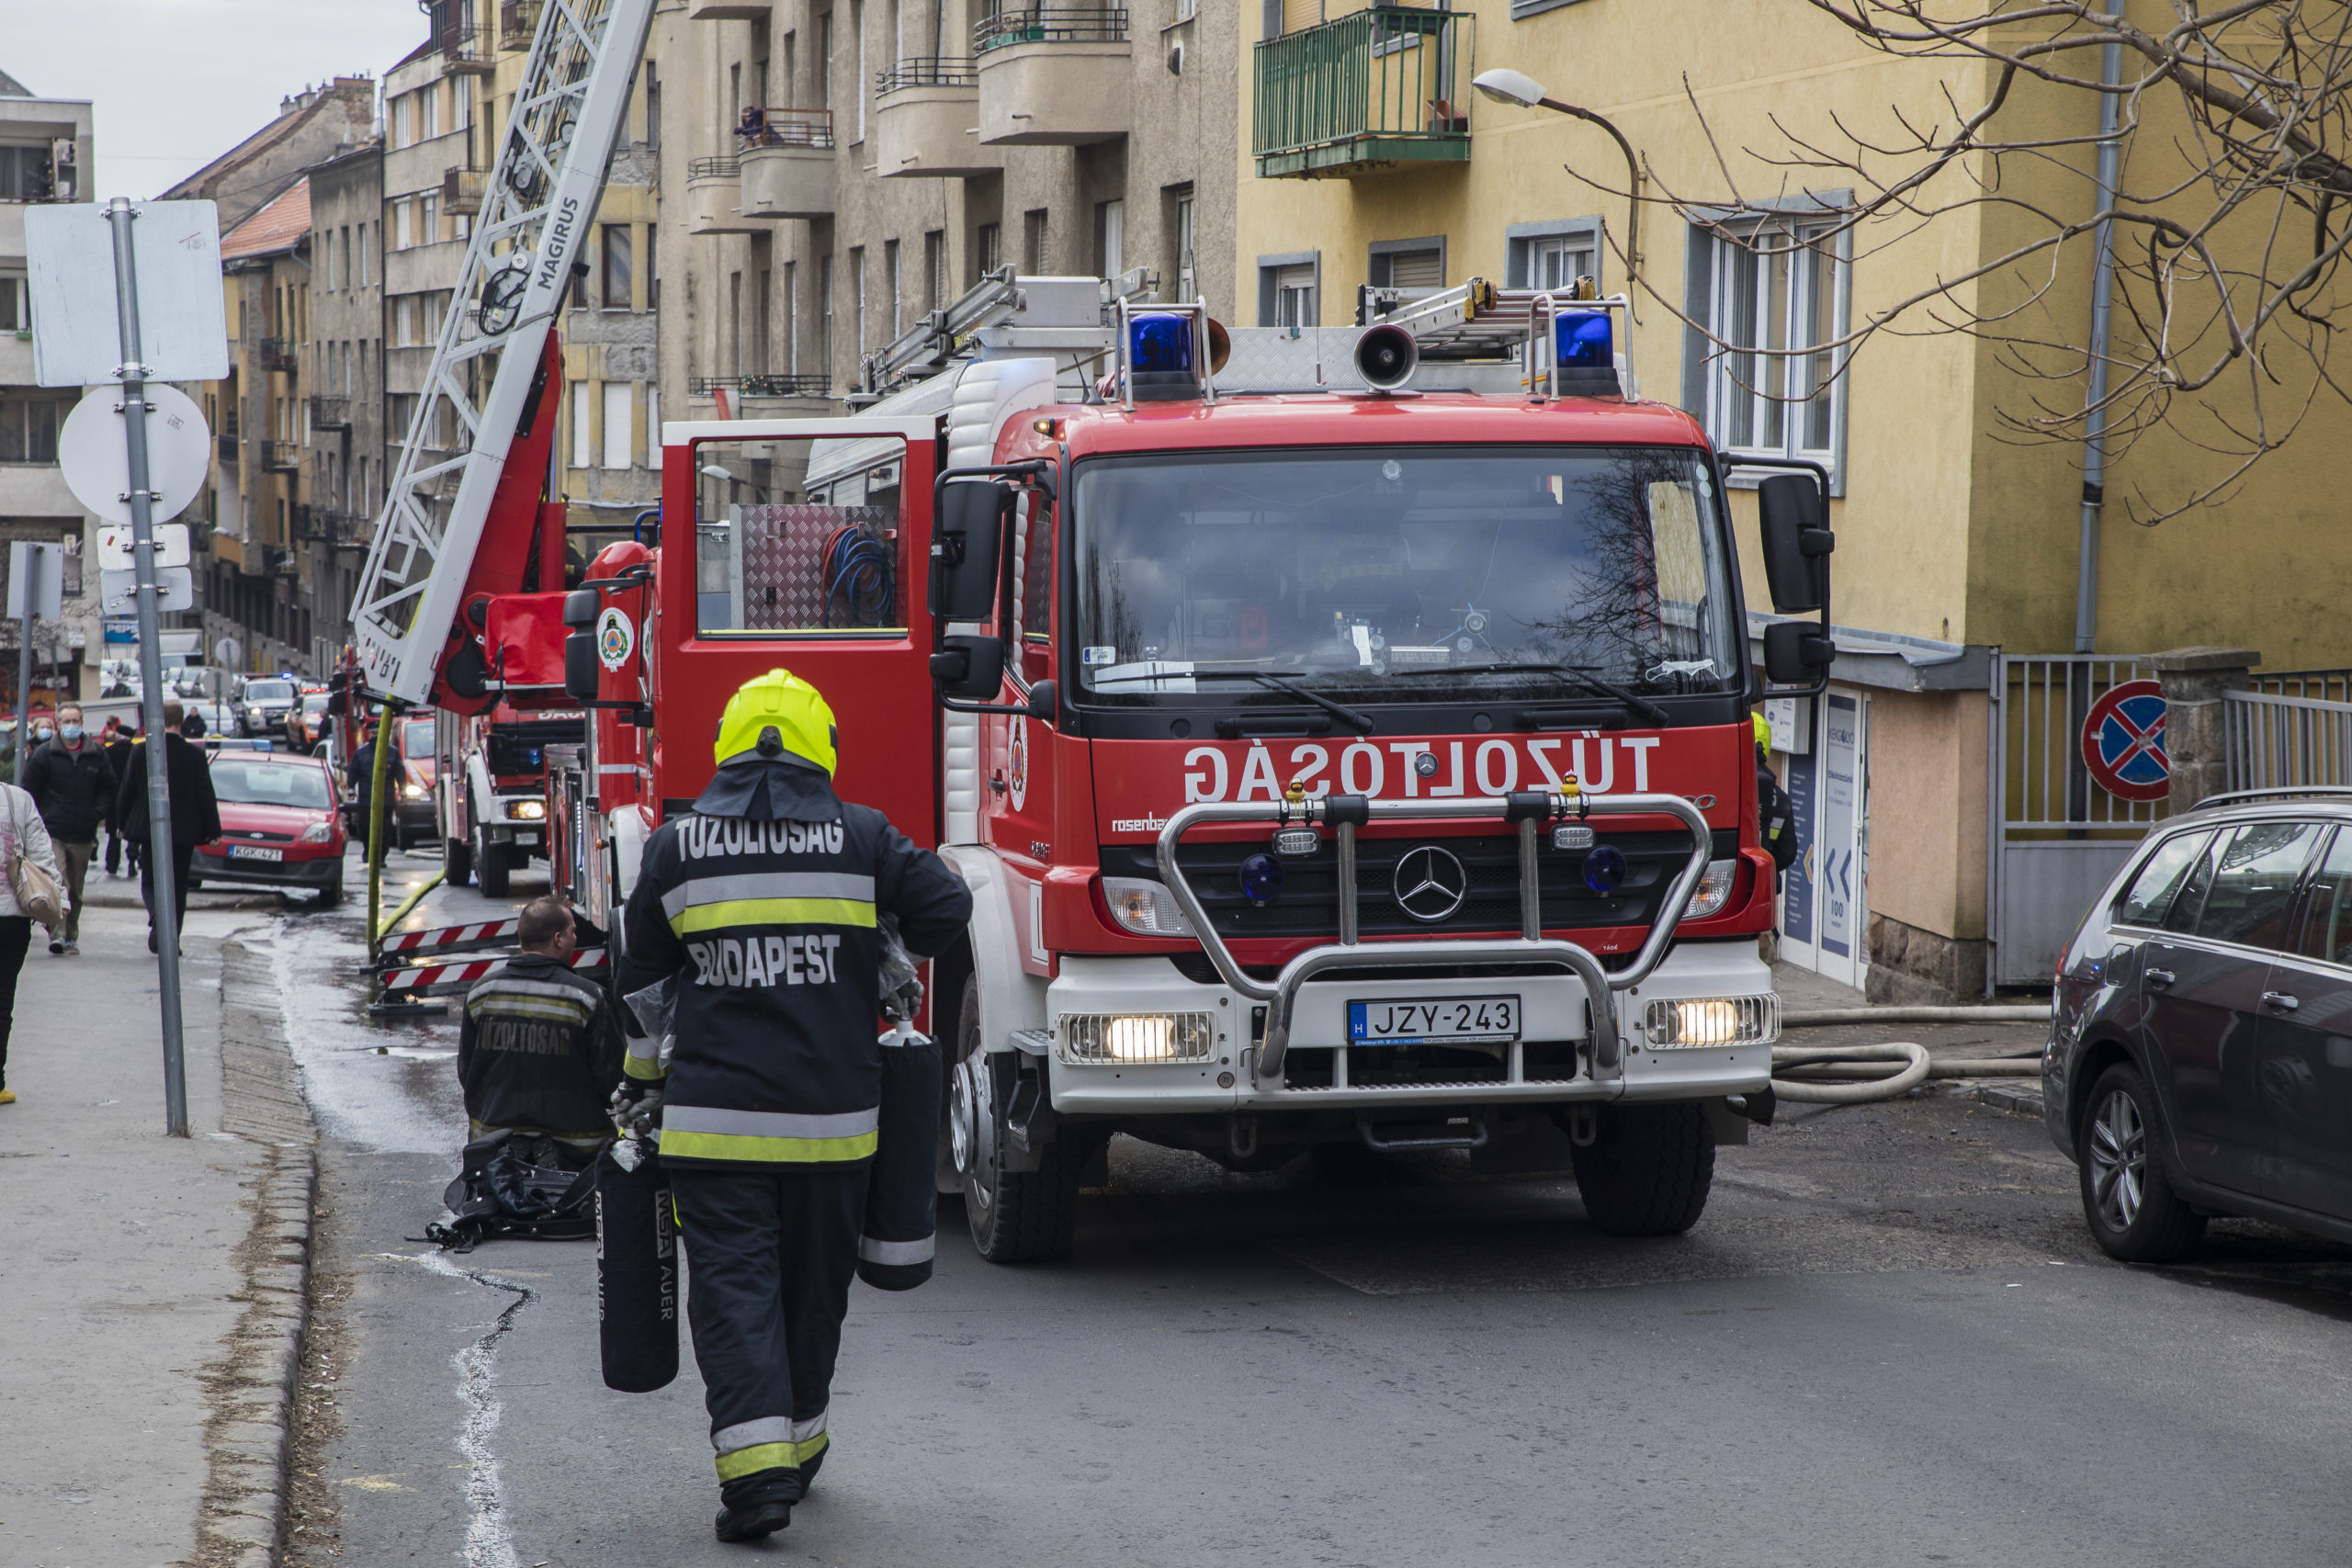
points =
(762, 905)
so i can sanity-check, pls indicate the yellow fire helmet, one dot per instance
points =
(1763, 730)
(775, 714)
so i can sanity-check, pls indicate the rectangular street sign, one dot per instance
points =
(174, 589)
(183, 312)
(40, 567)
(114, 546)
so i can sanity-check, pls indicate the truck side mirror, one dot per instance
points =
(579, 664)
(580, 608)
(1796, 654)
(968, 536)
(1045, 703)
(968, 668)
(1797, 543)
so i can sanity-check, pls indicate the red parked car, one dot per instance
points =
(279, 825)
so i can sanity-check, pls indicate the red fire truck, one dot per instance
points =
(1363, 763)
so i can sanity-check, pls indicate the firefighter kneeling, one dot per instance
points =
(763, 906)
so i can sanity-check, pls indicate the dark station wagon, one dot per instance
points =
(2200, 1056)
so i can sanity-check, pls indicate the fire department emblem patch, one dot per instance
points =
(1016, 761)
(616, 639)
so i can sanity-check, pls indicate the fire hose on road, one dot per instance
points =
(1856, 1075)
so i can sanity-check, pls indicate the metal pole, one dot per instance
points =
(376, 830)
(2095, 419)
(32, 580)
(163, 913)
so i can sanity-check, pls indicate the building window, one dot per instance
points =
(890, 281)
(402, 126)
(1110, 237)
(429, 220)
(857, 26)
(1776, 286)
(1181, 262)
(1552, 255)
(1290, 289)
(16, 314)
(363, 255)
(582, 432)
(403, 225)
(792, 311)
(29, 427)
(1408, 264)
(825, 316)
(652, 277)
(618, 408)
(934, 269)
(652, 426)
(1036, 249)
(857, 297)
(616, 260)
(988, 248)
(825, 62)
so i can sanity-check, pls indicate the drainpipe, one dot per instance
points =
(2102, 287)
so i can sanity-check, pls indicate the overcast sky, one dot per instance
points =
(178, 83)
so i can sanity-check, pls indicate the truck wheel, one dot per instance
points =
(1017, 1216)
(456, 862)
(1647, 1171)
(489, 865)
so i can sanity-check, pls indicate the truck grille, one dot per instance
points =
(1308, 905)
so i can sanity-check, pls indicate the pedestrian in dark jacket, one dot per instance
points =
(120, 740)
(73, 783)
(360, 774)
(538, 1050)
(196, 812)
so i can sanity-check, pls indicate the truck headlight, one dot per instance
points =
(527, 810)
(1714, 890)
(1144, 906)
(1713, 1020)
(411, 792)
(1110, 1037)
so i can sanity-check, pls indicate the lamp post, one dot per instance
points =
(1506, 87)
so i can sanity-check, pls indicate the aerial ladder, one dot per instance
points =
(469, 530)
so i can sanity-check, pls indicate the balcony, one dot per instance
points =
(788, 163)
(725, 11)
(1053, 77)
(1366, 93)
(518, 23)
(715, 198)
(306, 521)
(468, 51)
(281, 457)
(462, 191)
(927, 122)
(330, 413)
(278, 354)
(228, 443)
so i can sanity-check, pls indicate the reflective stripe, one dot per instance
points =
(766, 1429)
(513, 986)
(787, 1445)
(894, 1252)
(573, 1013)
(754, 886)
(644, 1059)
(691, 1132)
(774, 912)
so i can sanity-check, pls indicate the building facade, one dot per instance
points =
(46, 148)
(848, 166)
(345, 404)
(1368, 162)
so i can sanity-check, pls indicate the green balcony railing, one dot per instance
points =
(1373, 89)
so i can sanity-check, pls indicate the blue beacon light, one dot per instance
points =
(1160, 357)
(1262, 879)
(1604, 868)
(1583, 344)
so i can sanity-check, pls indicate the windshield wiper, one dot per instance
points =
(1360, 722)
(1576, 673)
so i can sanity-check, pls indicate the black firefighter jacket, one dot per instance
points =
(538, 1049)
(761, 903)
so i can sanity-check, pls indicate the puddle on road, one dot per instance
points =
(404, 1100)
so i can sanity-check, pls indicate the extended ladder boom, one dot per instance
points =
(538, 210)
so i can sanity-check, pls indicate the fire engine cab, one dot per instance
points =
(1345, 737)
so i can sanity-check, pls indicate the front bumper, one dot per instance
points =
(1554, 1013)
(212, 866)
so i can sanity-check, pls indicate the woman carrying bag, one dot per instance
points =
(32, 889)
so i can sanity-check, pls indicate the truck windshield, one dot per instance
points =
(1403, 570)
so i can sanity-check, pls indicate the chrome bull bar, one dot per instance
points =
(1528, 809)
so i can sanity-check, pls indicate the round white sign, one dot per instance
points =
(91, 450)
(615, 637)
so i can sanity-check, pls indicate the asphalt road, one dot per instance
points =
(1888, 1341)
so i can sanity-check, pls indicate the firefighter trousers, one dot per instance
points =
(769, 1259)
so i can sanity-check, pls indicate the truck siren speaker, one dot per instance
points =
(1386, 356)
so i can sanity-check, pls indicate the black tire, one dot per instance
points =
(332, 893)
(456, 862)
(1017, 1216)
(2134, 1215)
(1648, 1171)
(489, 865)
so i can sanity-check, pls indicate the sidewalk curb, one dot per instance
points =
(252, 1387)
(2015, 1099)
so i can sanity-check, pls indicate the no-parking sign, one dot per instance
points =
(2123, 742)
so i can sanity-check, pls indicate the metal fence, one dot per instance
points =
(2270, 741)
(925, 71)
(1384, 86)
(1054, 24)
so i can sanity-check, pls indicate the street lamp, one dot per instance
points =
(1506, 87)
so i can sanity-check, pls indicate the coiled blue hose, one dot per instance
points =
(859, 568)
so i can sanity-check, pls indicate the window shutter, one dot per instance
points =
(1698, 274)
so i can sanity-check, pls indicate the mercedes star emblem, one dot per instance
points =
(1430, 883)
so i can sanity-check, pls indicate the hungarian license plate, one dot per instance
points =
(254, 851)
(1434, 1020)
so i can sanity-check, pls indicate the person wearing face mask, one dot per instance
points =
(73, 783)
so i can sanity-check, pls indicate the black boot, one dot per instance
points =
(759, 1505)
(754, 1521)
